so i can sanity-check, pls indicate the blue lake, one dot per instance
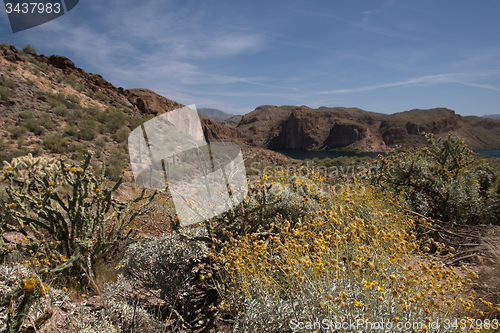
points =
(490, 152)
(303, 154)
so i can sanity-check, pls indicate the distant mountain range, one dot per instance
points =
(300, 127)
(492, 116)
(48, 106)
(221, 116)
(215, 114)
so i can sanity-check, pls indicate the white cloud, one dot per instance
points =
(465, 79)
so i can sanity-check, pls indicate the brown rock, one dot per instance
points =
(148, 102)
(217, 132)
(9, 55)
(43, 98)
(61, 62)
(142, 105)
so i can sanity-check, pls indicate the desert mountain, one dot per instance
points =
(50, 106)
(292, 127)
(221, 116)
(492, 116)
(215, 114)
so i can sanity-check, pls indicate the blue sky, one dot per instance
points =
(381, 56)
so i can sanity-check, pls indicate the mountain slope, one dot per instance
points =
(49, 106)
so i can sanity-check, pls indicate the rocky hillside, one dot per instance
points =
(50, 106)
(291, 127)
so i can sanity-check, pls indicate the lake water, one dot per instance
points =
(490, 152)
(303, 154)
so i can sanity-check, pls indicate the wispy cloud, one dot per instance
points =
(465, 79)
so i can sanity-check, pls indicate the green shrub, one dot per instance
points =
(115, 163)
(89, 93)
(7, 82)
(17, 132)
(102, 97)
(5, 94)
(73, 81)
(28, 49)
(70, 129)
(55, 143)
(34, 125)
(92, 111)
(4, 150)
(136, 121)
(60, 110)
(445, 181)
(87, 129)
(122, 134)
(113, 119)
(26, 114)
(74, 115)
(47, 122)
(44, 67)
(73, 99)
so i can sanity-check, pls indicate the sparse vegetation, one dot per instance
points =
(101, 97)
(55, 143)
(28, 49)
(73, 81)
(7, 82)
(5, 94)
(86, 129)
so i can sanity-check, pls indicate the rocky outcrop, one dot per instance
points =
(296, 132)
(149, 102)
(60, 62)
(343, 135)
(217, 132)
(11, 54)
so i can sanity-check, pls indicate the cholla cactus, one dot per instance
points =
(64, 210)
(17, 304)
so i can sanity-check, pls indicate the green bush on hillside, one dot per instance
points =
(28, 49)
(87, 128)
(6, 82)
(5, 94)
(55, 143)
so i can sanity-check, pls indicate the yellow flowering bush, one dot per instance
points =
(354, 257)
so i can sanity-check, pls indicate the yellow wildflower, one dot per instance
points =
(29, 285)
(44, 289)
